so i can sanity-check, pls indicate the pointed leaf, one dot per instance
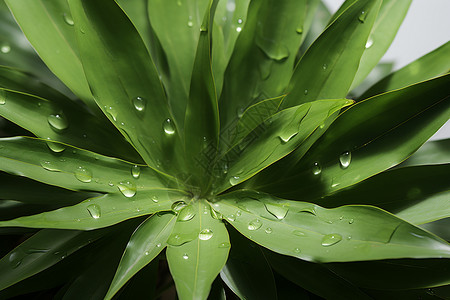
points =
(313, 233)
(197, 251)
(431, 153)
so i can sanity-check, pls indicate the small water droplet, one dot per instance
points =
(287, 137)
(299, 30)
(110, 110)
(239, 21)
(231, 218)
(83, 174)
(139, 103)
(110, 183)
(345, 159)
(155, 198)
(238, 29)
(305, 92)
(94, 211)
(278, 211)
(224, 245)
(316, 169)
(2, 97)
(369, 43)
(36, 251)
(268, 230)
(168, 127)
(254, 225)
(58, 122)
(331, 239)
(351, 221)
(298, 233)
(178, 206)
(185, 256)
(324, 66)
(190, 23)
(362, 16)
(238, 213)
(216, 215)
(68, 19)
(234, 180)
(147, 253)
(56, 147)
(135, 171)
(5, 48)
(158, 245)
(205, 234)
(297, 250)
(15, 259)
(49, 166)
(203, 28)
(186, 213)
(127, 188)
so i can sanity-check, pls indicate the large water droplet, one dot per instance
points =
(58, 122)
(205, 234)
(369, 43)
(216, 215)
(362, 16)
(135, 171)
(287, 137)
(139, 103)
(83, 174)
(254, 225)
(15, 259)
(56, 147)
(331, 239)
(5, 48)
(178, 206)
(68, 19)
(127, 188)
(94, 211)
(186, 213)
(234, 180)
(168, 127)
(345, 159)
(316, 169)
(278, 211)
(49, 166)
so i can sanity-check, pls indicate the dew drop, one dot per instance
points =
(135, 171)
(68, 19)
(299, 30)
(331, 239)
(5, 48)
(158, 245)
(83, 174)
(224, 245)
(296, 250)
(155, 199)
(147, 253)
(239, 21)
(127, 188)
(351, 221)
(216, 215)
(186, 213)
(305, 92)
(110, 183)
(254, 225)
(231, 218)
(58, 122)
(49, 166)
(178, 206)
(139, 103)
(168, 127)
(345, 159)
(94, 211)
(238, 29)
(316, 169)
(324, 66)
(36, 251)
(369, 43)
(278, 211)
(56, 147)
(185, 256)
(234, 180)
(205, 234)
(286, 138)
(110, 110)
(268, 230)
(15, 259)
(298, 233)
(238, 213)
(2, 97)
(362, 16)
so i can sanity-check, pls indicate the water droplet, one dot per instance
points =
(305, 92)
(56, 147)
(216, 215)
(296, 250)
(362, 16)
(2, 97)
(83, 174)
(278, 211)
(15, 259)
(203, 28)
(36, 251)
(238, 213)
(234, 180)
(158, 245)
(331, 239)
(135, 171)
(287, 137)
(127, 188)
(178, 206)
(177, 239)
(49, 166)
(239, 21)
(186, 213)
(299, 30)
(351, 221)
(179, 3)
(324, 66)
(185, 256)
(205, 234)
(58, 122)
(168, 127)
(224, 245)
(147, 253)
(5, 48)
(238, 29)
(139, 103)
(345, 159)
(268, 230)
(155, 198)
(254, 225)
(110, 110)
(298, 233)
(369, 43)
(231, 218)
(316, 168)
(94, 211)
(110, 183)
(68, 19)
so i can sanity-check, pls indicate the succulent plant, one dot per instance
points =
(235, 143)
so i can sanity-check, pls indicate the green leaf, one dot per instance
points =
(41, 251)
(380, 71)
(145, 244)
(370, 137)
(61, 120)
(49, 27)
(433, 64)
(102, 211)
(198, 249)
(432, 152)
(387, 23)
(73, 168)
(127, 87)
(333, 59)
(286, 131)
(306, 275)
(416, 194)
(313, 233)
(247, 272)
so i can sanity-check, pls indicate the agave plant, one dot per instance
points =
(234, 142)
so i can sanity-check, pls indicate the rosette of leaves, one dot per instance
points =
(235, 142)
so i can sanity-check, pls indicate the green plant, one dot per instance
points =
(188, 124)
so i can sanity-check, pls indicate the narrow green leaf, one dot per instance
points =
(49, 27)
(370, 137)
(102, 211)
(198, 249)
(127, 87)
(73, 168)
(41, 251)
(313, 233)
(432, 152)
(387, 23)
(378, 72)
(145, 244)
(433, 64)
(333, 59)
